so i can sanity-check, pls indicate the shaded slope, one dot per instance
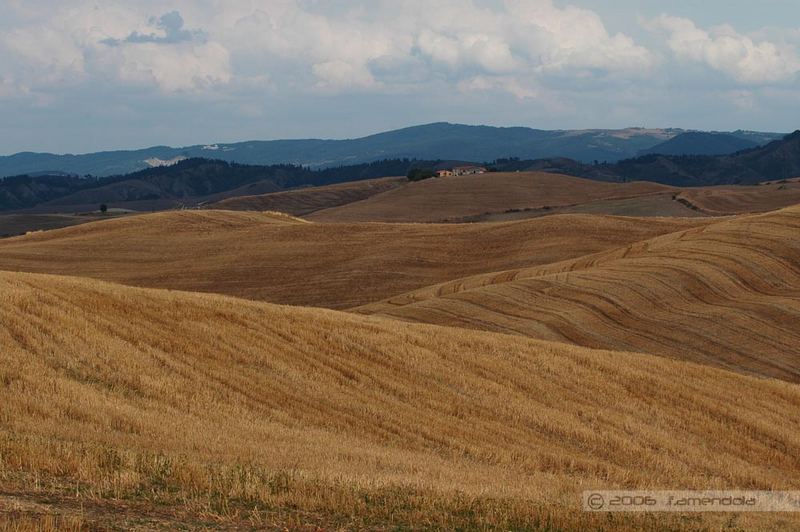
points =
(726, 294)
(187, 182)
(779, 159)
(248, 254)
(19, 224)
(701, 143)
(227, 406)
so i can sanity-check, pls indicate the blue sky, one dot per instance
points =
(88, 75)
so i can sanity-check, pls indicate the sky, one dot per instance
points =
(80, 76)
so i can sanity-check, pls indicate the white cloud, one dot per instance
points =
(234, 49)
(734, 54)
(455, 40)
(505, 84)
(49, 54)
(304, 45)
(174, 68)
(83, 43)
(342, 74)
(572, 38)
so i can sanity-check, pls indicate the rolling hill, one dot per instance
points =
(489, 197)
(702, 143)
(284, 260)
(726, 294)
(457, 197)
(187, 183)
(304, 201)
(780, 159)
(157, 409)
(519, 195)
(726, 200)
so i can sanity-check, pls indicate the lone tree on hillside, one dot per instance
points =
(103, 208)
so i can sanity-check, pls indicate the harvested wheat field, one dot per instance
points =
(502, 196)
(661, 204)
(307, 200)
(281, 259)
(741, 200)
(146, 408)
(454, 198)
(726, 294)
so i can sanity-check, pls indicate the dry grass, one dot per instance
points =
(201, 407)
(262, 256)
(38, 521)
(454, 198)
(658, 204)
(726, 294)
(531, 194)
(139, 409)
(304, 201)
(742, 200)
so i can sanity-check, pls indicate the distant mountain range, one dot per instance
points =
(194, 181)
(430, 142)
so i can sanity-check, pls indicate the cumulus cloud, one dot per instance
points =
(171, 29)
(451, 41)
(240, 50)
(572, 38)
(172, 58)
(81, 43)
(49, 55)
(380, 46)
(174, 68)
(724, 49)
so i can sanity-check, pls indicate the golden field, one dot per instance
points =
(457, 197)
(150, 408)
(512, 196)
(303, 201)
(472, 376)
(283, 260)
(726, 294)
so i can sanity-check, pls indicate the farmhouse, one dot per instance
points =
(461, 170)
(468, 170)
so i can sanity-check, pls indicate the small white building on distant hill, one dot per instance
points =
(468, 170)
(461, 170)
